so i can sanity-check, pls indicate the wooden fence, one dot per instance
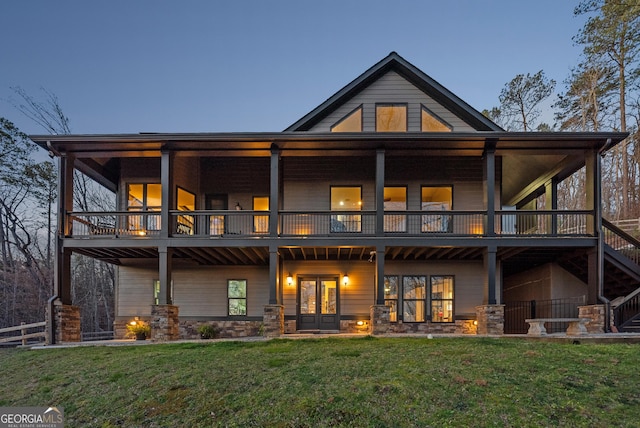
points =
(23, 335)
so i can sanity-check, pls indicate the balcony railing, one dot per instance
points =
(231, 223)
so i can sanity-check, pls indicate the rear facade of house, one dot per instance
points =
(393, 206)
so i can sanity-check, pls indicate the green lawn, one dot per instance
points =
(362, 382)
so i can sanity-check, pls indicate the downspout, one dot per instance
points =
(51, 324)
(600, 248)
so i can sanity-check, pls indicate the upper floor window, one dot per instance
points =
(261, 222)
(395, 199)
(430, 122)
(144, 197)
(436, 198)
(391, 118)
(186, 202)
(345, 198)
(352, 122)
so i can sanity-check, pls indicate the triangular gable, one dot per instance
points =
(395, 65)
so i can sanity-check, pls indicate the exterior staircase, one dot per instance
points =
(621, 274)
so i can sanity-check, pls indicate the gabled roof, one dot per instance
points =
(394, 62)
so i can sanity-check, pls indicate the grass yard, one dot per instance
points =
(362, 382)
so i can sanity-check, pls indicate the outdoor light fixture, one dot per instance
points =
(289, 279)
(360, 323)
(345, 279)
(475, 322)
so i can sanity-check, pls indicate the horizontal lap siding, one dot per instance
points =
(135, 291)
(468, 283)
(197, 291)
(392, 88)
(355, 299)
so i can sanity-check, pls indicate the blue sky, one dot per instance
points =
(125, 66)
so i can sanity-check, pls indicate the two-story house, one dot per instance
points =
(393, 206)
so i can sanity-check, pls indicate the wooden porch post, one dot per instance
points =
(380, 158)
(491, 265)
(166, 182)
(165, 275)
(379, 275)
(595, 277)
(274, 274)
(490, 184)
(62, 276)
(274, 202)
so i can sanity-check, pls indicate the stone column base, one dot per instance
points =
(490, 319)
(273, 321)
(596, 315)
(66, 328)
(165, 324)
(379, 315)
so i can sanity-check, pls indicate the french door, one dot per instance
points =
(318, 303)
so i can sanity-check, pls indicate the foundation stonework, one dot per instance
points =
(224, 329)
(67, 323)
(457, 327)
(165, 323)
(596, 315)
(273, 321)
(379, 318)
(490, 319)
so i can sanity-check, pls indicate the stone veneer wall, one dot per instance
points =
(490, 319)
(165, 323)
(379, 319)
(224, 329)
(273, 321)
(458, 327)
(67, 323)
(596, 313)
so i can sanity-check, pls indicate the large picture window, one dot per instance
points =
(414, 294)
(237, 297)
(442, 298)
(347, 199)
(391, 118)
(391, 296)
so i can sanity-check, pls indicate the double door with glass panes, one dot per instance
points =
(318, 303)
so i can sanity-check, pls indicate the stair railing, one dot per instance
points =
(621, 241)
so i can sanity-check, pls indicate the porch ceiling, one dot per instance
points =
(260, 255)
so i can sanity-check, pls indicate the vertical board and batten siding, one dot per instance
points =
(392, 88)
(198, 292)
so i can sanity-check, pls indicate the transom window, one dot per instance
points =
(391, 118)
(352, 122)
